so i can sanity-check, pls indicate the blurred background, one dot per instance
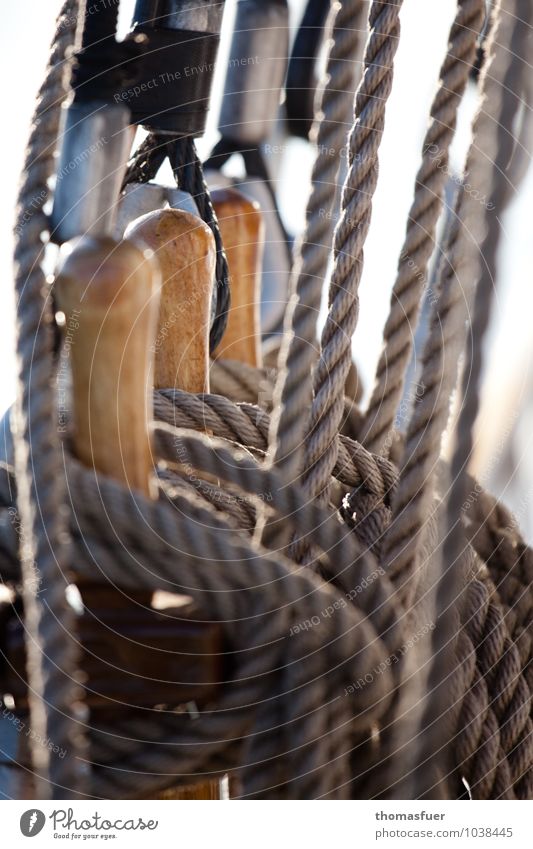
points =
(503, 459)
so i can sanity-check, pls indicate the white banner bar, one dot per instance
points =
(256, 825)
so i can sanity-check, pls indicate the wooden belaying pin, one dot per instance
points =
(111, 288)
(185, 248)
(241, 226)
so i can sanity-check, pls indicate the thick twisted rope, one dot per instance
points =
(494, 150)
(247, 425)
(493, 742)
(52, 654)
(298, 353)
(493, 531)
(331, 371)
(493, 147)
(242, 382)
(239, 472)
(334, 363)
(349, 565)
(122, 764)
(500, 666)
(421, 227)
(446, 336)
(494, 746)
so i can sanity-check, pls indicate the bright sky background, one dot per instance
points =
(25, 35)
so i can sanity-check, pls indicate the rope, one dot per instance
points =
(248, 590)
(189, 175)
(494, 143)
(421, 227)
(332, 368)
(246, 425)
(291, 717)
(147, 160)
(446, 335)
(334, 103)
(494, 534)
(493, 749)
(52, 653)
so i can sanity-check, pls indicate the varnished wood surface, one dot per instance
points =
(108, 291)
(241, 226)
(185, 248)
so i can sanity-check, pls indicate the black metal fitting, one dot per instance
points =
(103, 67)
(173, 86)
(302, 74)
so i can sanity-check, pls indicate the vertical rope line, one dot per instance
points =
(447, 333)
(421, 227)
(412, 500)
(334, 105)
(491, 153)
(332, 368)
(51, 651)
